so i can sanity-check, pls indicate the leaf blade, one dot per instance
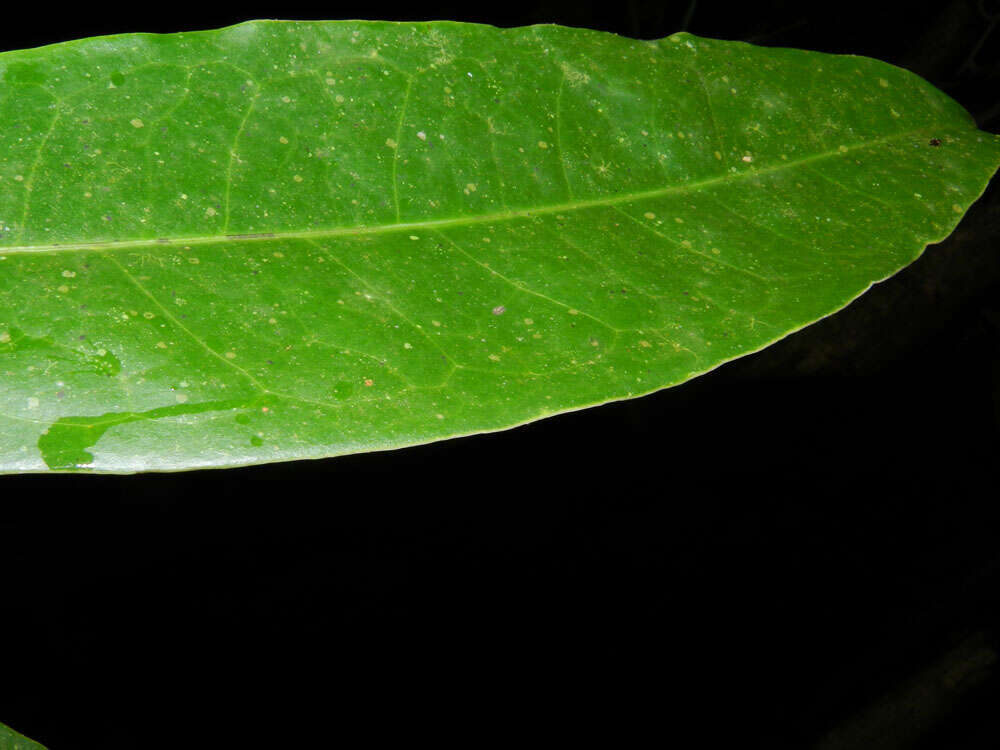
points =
(11, 740)
(364, 254)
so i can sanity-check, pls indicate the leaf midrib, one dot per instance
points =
(430, 224)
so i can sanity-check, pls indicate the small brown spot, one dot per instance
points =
(369, 382)
(935, 141)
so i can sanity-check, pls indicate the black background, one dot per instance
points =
(796, 549)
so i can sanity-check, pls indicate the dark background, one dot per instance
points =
(797, 550)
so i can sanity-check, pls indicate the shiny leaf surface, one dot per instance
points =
(294, 240)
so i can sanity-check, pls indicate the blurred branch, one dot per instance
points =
(969, 64)
(688, 15)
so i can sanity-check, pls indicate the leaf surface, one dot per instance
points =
(292, 240)
(11, 740)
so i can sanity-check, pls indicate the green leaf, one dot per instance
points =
(11, 740)
(294, 240)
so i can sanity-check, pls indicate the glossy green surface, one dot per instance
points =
(289, 240)
(11, 740)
